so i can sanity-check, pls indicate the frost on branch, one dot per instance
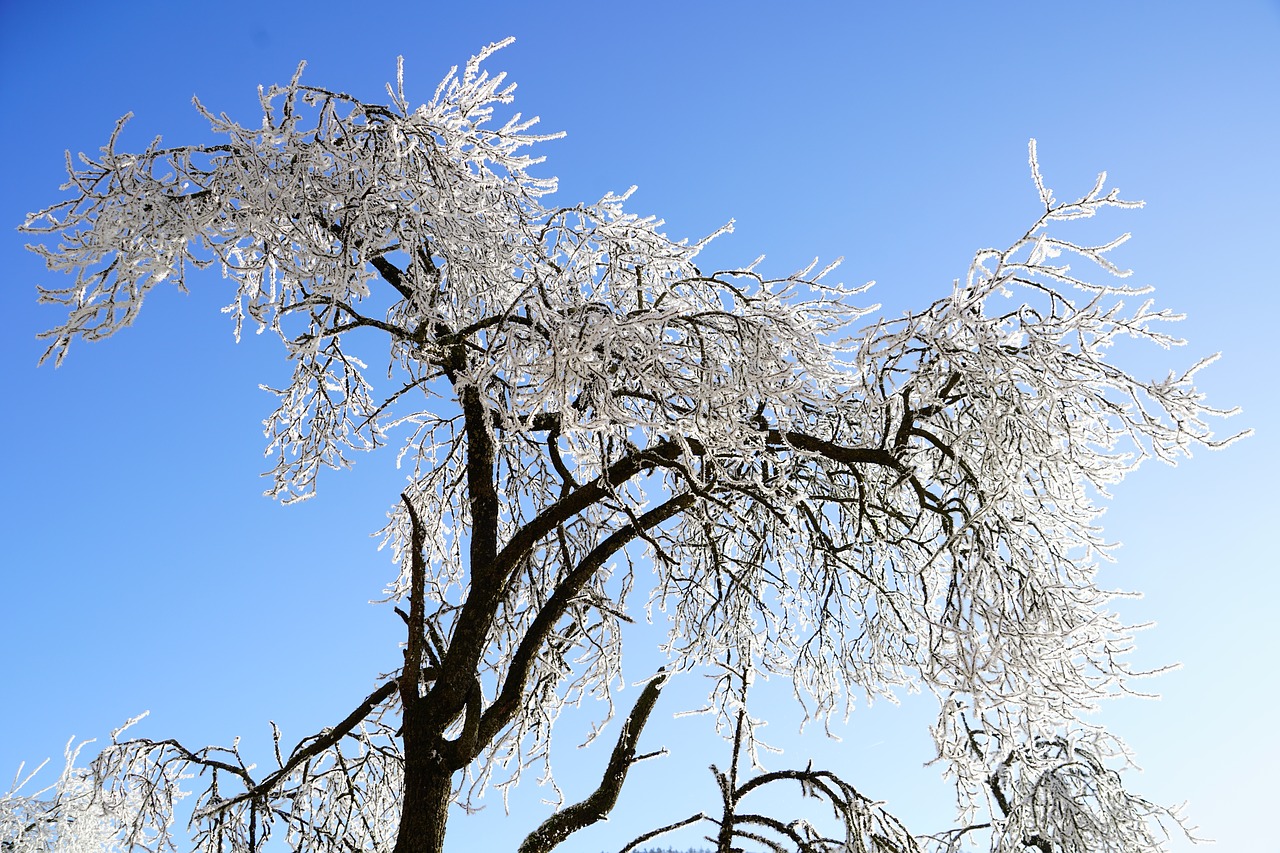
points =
(115, 804)
(584, 410)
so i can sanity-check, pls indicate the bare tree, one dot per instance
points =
(584, 409)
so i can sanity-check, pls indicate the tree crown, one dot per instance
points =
(857, 507)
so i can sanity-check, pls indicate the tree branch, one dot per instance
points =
(597, 806)
(490, 572)
(505, 706)
(671, 827)
(322, 741)
(836, 452)
(411, 676)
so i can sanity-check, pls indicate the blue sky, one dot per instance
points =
(144, 570)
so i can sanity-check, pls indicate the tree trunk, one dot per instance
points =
(427, 776)
(428, 783)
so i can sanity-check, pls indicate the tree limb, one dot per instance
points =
(508, 701)
(600, 802)
(671, 827)
(325, 739)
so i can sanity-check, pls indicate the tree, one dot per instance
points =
(856, 508)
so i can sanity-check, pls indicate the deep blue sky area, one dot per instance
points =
(143, 569)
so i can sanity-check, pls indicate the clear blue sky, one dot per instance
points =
(142, 569)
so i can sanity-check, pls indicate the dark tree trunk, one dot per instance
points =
(428, 775)
(428, 783)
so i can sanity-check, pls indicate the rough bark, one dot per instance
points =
(597, 806)
(427, 777)
(427, 789)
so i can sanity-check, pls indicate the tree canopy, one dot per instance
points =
(595, 426)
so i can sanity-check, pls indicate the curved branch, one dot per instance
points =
(504, 708)
(599, 803)
(836, 452)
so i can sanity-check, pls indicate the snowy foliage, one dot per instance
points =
(114, 806)
(586, 411)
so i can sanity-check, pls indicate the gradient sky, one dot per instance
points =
(144, 570)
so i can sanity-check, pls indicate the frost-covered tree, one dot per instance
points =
(596, 425)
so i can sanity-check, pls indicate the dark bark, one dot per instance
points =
(460, 661)
(597, 806)
(662, 830)
(428, 786)
(507, 703)
(729, 793)
(427, 778)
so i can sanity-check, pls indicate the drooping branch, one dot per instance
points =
(865, 825)
(306, 749)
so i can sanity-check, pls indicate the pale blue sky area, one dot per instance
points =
(143, 569)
